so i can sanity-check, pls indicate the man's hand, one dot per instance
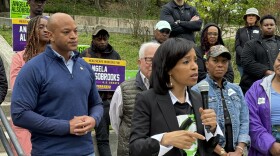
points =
(195, 18)
(81, 125)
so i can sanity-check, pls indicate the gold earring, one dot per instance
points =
(170, 85)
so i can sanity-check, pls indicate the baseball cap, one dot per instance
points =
(162, 25)
(100, 30)
(251, 11)
(218, 50)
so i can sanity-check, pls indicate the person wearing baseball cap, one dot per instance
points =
(228, 102)
(161, 31)
(100, 48)
(250, 31)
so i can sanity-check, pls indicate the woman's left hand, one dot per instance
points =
(208, 117)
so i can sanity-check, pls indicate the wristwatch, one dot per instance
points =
(222, 152)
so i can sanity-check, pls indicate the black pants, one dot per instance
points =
(102, 132)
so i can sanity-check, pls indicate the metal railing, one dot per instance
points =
(11, 134)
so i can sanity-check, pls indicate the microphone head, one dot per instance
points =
(203, 86)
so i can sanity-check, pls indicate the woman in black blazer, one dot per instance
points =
(158, 111)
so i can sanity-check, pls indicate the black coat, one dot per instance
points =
(255, 62)
(242, 36)
(3, 82)
(155, 114)
(170, 12)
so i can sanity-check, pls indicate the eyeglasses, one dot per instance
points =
(148, 60)
(212, 34)
(166, 31)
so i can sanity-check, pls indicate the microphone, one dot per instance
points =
(204, 88)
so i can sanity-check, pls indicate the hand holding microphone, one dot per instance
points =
(208, 116)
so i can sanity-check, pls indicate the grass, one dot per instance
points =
(124, 44)
(128, 47)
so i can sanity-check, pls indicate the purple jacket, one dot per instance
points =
(258, 100)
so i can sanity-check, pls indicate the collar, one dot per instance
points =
(270, 39)
(214, 83)
(72, 54)
(174, 98)
(145, 80)
(109, 49)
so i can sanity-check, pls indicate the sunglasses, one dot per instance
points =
(166, 31)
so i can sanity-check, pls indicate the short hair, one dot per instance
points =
(267, 17)
(166, 58)
(145, 46)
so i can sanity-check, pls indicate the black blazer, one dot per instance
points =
(155, 114)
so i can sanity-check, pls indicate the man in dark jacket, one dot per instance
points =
(258, 55)
(184, 19)
(36, 7)
(211, 35)
(100, 48)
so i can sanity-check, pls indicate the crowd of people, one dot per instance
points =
(182, 102)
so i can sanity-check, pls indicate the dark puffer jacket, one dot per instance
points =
(201, 51)
(255, 62)
(3, 82)
(242, 36)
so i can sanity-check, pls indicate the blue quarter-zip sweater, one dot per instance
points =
(46, 96)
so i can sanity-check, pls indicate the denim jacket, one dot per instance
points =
(236, 106)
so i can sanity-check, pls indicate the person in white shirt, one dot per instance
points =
(122, 103)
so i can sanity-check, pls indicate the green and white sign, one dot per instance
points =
(82, 47)
(19, 9)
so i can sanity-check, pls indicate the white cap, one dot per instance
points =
(252, 11)
(162, 25)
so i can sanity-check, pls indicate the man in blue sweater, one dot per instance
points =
(55, 95)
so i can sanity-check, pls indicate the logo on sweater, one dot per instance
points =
(81, 68)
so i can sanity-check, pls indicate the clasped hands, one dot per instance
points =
(81, 125)
(183, 139)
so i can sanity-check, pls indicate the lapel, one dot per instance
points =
(165, 104)
(196, 101)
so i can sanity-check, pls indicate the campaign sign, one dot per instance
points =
(81, 48)
(19, 33)
(19, 9)
(109, 74)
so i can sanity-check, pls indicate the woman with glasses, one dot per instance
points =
(211, 35)
(250, 31)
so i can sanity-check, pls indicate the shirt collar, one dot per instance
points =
(174, 98)
(72, 54)
(145, 80)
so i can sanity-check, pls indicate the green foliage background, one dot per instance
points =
(226, 13)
